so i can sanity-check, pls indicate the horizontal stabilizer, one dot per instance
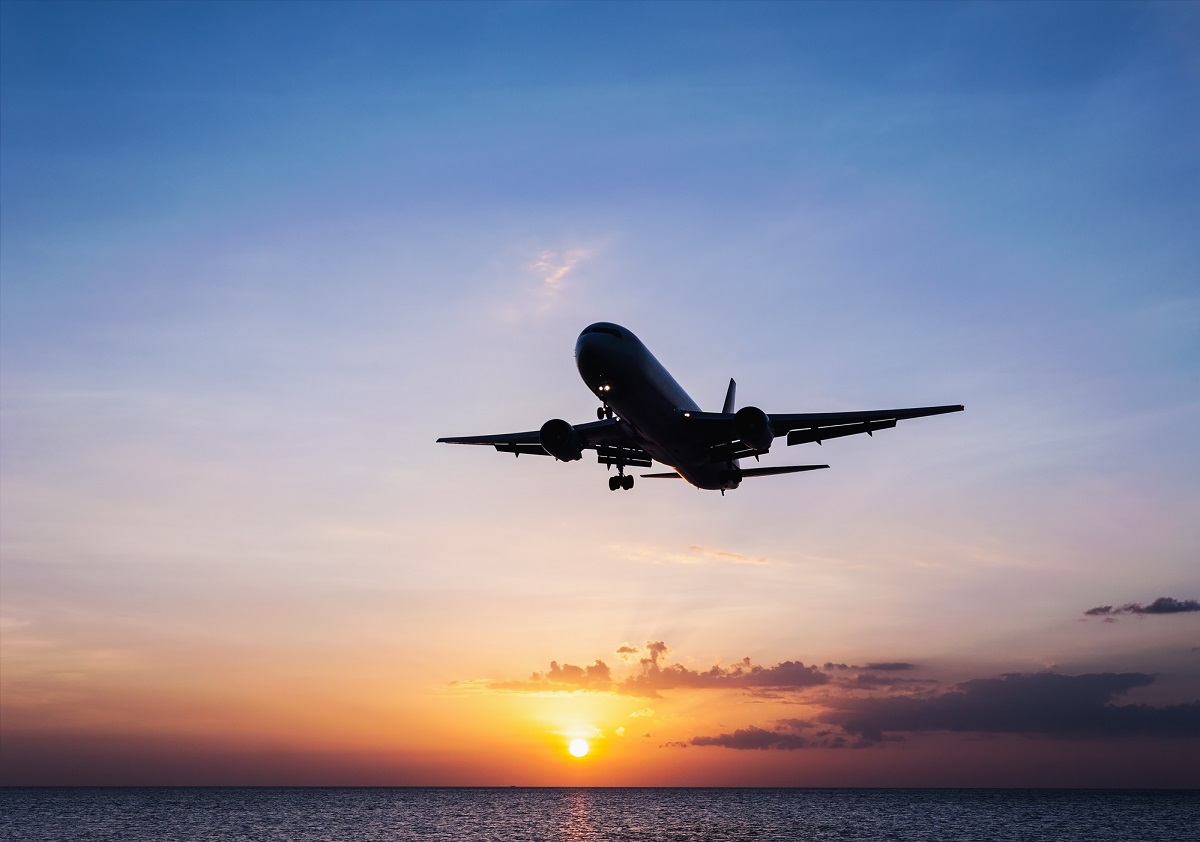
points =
(785, 469)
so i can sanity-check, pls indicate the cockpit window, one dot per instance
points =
(611, 331)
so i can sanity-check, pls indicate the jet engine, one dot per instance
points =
(559, 439)
(754, 428)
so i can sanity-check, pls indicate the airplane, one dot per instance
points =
(646, 417)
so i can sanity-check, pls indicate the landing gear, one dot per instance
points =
(621, 480)
(603, 412)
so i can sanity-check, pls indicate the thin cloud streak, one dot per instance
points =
(696, 554)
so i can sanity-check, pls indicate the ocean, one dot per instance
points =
(572, 815)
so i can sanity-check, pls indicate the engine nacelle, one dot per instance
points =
(754, 428)
(559, 439)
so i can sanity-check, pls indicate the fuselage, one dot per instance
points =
(648, 402)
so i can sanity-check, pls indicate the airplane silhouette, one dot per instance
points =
(646, 417)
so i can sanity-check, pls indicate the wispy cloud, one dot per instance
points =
(710, 554)
(695, 554)
(554, 268)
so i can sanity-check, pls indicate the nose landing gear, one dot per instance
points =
(603, 412)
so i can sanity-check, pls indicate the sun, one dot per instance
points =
(578, 747)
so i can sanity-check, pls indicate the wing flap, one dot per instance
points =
(819, 434)
(608, 454)
(518, 449)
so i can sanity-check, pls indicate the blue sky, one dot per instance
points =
(257, 257)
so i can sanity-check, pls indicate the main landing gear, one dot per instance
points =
(621, 481)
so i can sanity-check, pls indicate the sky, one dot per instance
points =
(256, 258)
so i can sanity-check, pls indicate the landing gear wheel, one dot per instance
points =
(626, 481)
(615, 482)
(603, 412)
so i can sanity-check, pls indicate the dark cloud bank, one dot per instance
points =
(1162, 605)
(1042, 704)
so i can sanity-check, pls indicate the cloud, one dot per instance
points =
(745, 675)
(866, 678)
(1162, 605)
(870, 680)
(564, 678)
(754, 738)
(869, 707)
(657, 649)
(787, 735)
(554, 266)
(1044, 703)
(655, 675)
(875, 666)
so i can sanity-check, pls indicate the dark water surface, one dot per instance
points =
(682, 815)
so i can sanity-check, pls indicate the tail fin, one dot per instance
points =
(728, 407)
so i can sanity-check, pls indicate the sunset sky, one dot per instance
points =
(256, 258)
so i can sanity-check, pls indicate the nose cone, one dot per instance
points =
(590, 353)
(596, 349)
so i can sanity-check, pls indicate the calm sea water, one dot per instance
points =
(547, 815)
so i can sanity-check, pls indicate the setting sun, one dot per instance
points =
(578, 748)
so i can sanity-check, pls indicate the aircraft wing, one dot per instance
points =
(817, 426)
(517, 443)
(608, 438)
(719, 430)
